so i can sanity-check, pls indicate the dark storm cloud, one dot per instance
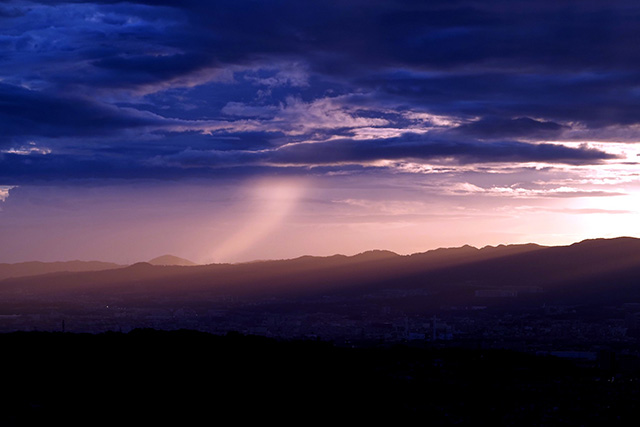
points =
(561, 61)
(498, 33)
(523, 127)
(406, 148)
(10, 12)
(49, 169)
(351, 37)
(462, 152)
(199, 83)
(140, 163)
(176, 141)
(143, 68)
(25, 113)
(594, 99)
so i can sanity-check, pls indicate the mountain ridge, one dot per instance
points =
(171, 260)
(35, 268)
(451, 275)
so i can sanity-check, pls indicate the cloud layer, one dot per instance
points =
(112, 85)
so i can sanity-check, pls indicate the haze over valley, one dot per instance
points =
(448, 294)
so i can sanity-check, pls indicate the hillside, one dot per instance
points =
(450, 275)
(34, 268)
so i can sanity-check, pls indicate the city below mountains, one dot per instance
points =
(588, 291)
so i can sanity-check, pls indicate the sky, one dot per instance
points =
(237, 130)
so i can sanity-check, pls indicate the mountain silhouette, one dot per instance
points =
(592, 271)
(33, 268)
(171, 260)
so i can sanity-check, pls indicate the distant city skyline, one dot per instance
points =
(235, 131)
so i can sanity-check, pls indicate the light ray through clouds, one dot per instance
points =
(268, 204)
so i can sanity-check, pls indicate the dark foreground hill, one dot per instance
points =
(150, 377)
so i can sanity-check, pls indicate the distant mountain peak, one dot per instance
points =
(376, 254)
(171, 260)
(512, 247)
